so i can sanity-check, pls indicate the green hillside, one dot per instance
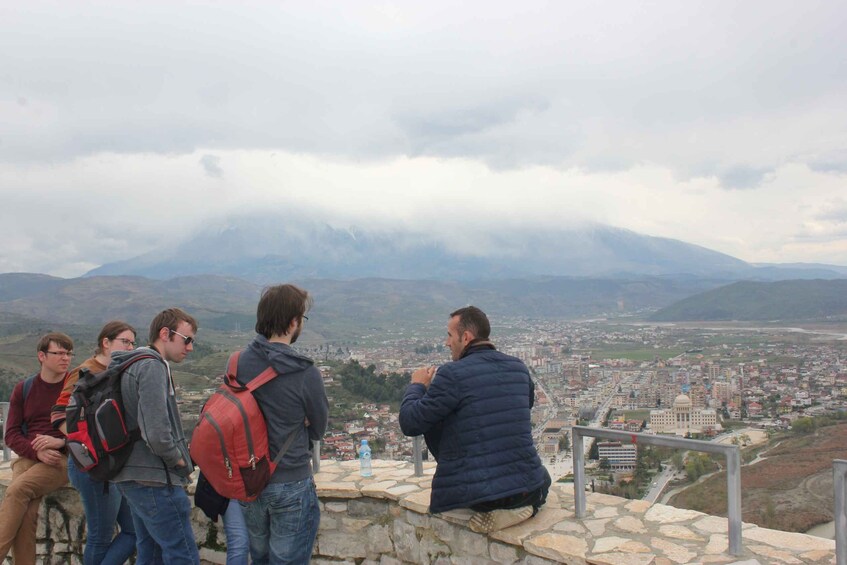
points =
(759, 301)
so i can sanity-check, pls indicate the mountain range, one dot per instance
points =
(265, 249)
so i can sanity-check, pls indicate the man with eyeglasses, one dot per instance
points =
(154, 476)
(42, 465)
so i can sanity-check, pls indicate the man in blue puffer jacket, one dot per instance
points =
(475, 416)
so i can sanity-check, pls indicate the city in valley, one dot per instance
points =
(727, 383)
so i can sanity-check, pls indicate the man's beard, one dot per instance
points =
(295, 335)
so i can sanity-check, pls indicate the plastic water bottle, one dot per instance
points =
(365, 459)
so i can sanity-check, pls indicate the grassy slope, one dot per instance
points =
(790, 490)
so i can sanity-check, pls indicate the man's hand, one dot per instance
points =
(50, 457)
(423, 376)
(42, 442)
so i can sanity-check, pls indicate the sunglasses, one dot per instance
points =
(187, 340)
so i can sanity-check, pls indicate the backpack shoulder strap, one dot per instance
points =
(28, 385)
(285, 447)
(261, 379)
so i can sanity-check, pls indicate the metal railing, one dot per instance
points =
(839, 475)
(316, 456)
(4, 414)
(417, 455)
(733, 470)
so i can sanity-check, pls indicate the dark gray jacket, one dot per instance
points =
(287, 401)
(150, 405)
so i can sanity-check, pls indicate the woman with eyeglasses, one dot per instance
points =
(104, 506)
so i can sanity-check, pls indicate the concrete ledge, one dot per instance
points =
(383, 519)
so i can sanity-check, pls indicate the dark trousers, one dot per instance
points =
(535, 498)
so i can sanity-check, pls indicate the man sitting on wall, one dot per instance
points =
(475, 416)
(42, 465)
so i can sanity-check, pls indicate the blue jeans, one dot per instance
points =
(162, 518)
(237, 539)
(102, 510)
(283, 523)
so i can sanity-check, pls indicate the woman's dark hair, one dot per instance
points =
(110, 331)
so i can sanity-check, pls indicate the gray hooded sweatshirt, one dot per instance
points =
(287, 401)
(150, 404)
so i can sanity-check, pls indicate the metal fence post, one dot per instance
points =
(578, 473)
(733, 491)
(4, 414)
(316, 456)
(417, 455)
(839, 470)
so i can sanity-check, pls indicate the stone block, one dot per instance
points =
(432, 548)
(559, 547)
(367, 507)
(630, 524)
(418, 520)
(789, 540)
(618, 558)
(668, 514)
(354, 525)
(379, 540)
(673, 551)
(329, 523)
(676, 531)
(444, 530)
(471, 543)
(388, 560)
(342, 545)
(501, 553)
(774, 555)
(417, 501)
(336, 507)
(536, 560)
(406, 544)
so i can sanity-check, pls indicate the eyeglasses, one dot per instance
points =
(125, 341)
(305, 317)
(187, 340)
(68, 354)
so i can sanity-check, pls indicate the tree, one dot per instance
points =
(604, 464)
(565, 443)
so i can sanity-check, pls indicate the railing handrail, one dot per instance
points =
(839, 475)
(733, 469)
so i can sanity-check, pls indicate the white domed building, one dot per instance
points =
(683, 419)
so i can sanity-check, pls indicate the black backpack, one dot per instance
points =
(98, 439)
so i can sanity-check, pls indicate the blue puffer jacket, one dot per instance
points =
(475, 416)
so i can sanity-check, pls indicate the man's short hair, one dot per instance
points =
(474, 320)
(60, 339)
(170, 319)
(110, 331)
(278, 307)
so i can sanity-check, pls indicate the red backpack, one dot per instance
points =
(230, 441)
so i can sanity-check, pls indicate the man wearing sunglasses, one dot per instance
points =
(153, 477)
(42, 465)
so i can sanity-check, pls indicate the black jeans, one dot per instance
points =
(535, 498)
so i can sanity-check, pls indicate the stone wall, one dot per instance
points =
(383, 519)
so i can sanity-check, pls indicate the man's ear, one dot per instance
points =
(164, 333)
(42, 357)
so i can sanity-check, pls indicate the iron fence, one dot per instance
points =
(733, 469)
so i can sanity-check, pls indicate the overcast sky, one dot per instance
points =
(124, 126)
